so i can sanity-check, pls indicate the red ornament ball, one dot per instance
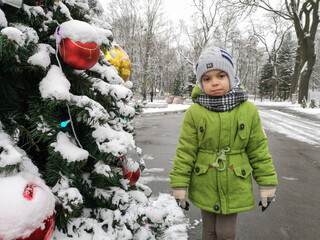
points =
(42, 234)
(27, 208)
(132, 176)
(39, 233)
(79, 55)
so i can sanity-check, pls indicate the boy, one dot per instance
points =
(220, 145)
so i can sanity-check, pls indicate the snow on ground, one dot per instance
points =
(289, 105)
(147, 178)
(292, 126)
(160, 106)
(148, 173)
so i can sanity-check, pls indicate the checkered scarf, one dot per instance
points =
(225, 102)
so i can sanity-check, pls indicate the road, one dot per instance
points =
(294, 145)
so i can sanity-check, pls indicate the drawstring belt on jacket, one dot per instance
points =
(221, 156)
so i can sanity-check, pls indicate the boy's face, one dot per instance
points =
(215, 83)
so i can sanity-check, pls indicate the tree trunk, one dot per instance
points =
(274, 76)
(306, 56)
(145, 73)
(306, 50)
(304, 85)
(147, 59)
(306, 74)
(296, 73)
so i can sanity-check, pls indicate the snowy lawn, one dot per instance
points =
(295, 107)
(272, 119)
(160, 106)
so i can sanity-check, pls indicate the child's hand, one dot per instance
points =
(180, 194)
(267, 194)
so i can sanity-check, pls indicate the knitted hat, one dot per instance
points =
(215, 58)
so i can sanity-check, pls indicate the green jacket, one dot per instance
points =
(216, 155)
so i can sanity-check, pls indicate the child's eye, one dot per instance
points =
(222, 75)
(205, 79)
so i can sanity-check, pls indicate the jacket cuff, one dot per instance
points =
(179, 188)
(268, 187)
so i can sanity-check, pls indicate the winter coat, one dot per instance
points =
(216, 155)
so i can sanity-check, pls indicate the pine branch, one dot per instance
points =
(28, 134)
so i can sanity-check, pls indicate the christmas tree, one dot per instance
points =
(285, 66)
(66, 129)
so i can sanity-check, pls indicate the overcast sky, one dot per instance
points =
(178, 9)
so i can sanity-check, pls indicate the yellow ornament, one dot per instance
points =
(120, 60)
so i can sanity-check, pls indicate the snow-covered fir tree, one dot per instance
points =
(69, 122)
(285, 66)
(304, 103)
(265, 81)
(312, 103)
(192, 79)
(178, 83)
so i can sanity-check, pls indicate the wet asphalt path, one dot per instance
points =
(296, 212)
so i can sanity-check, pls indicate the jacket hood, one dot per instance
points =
(195, 92)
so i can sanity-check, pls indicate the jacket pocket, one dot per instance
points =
(240, 180)
(200, 169)
(240, 192)
(243, 171)
(201, 174)
(203, 186)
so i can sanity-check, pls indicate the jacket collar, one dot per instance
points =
(195, 92)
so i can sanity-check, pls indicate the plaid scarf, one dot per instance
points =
(225, 102)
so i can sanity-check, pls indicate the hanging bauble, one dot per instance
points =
(79, 55)
(39, 3)
(120, 60)
(132, 175)
(26, 208)
(130, 164)
(42, 233)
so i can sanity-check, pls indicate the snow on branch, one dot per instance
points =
(11, 155)
(68, 148)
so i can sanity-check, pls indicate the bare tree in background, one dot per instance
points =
(248, 58)
(315, 78)
(304, 15)
(126, 21)
(278, 29)
(213, 22)
(138, 26)
(127, 27)
(152, 13)
(207, 20)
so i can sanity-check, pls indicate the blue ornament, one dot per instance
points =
(64, 124)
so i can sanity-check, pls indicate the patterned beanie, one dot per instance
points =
(215, 58)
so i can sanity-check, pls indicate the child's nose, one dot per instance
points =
(214, 82)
